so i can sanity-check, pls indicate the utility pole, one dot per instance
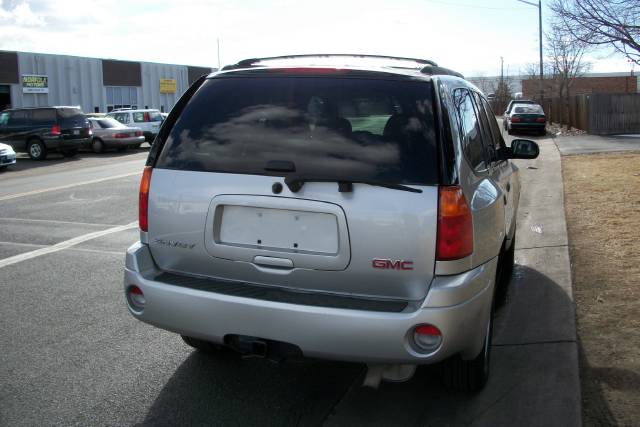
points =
(218, 41)
(539, 6)
(501, 71)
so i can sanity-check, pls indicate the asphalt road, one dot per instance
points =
(72, 354)
(590, 144)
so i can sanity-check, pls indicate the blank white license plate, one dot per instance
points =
(279, 229)
(76, 132)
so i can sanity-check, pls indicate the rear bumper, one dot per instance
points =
(458, 305)
(123, 142)
(528, 126)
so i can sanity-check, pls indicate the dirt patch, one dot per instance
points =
(602, 203)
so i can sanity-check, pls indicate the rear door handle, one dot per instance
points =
(268, 261)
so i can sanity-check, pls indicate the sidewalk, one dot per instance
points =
(535, 377)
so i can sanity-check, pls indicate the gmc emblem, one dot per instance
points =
(388, 264)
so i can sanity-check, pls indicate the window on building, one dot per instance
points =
(121, 97)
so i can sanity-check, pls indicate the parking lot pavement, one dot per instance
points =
(587, 144)
(73, 355)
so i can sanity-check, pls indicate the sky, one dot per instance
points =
(469, 36)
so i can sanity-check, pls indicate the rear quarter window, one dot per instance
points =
(355, 128)
(71, 118)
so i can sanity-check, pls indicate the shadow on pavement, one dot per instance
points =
(205, 390)
(533, 381)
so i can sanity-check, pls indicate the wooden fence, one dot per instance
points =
(598, 114)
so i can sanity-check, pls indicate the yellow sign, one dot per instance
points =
(167, 85)
(35, 84)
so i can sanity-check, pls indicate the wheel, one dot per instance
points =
(36, 149)
(97, 146)
(470, 375)
(69, 153)
(504, 272)
(210, 348)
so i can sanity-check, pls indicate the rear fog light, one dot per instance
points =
(427, 338)
(136, 298)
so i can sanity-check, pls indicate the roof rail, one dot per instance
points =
(436, 70)
(253, 61)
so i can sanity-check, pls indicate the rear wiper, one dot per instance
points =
(295, 183)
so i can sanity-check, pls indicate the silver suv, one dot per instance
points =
(358, 213)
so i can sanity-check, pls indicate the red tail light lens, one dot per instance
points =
(455, 225)
(515, 119)
(55, 130)
(541, 119)
(121, 135)
(139, 133)
(143, 199)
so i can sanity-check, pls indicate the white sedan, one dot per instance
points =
(7, 156)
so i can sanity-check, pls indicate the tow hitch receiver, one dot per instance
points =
(262, 348)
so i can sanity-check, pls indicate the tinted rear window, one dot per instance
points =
(367, 129)
(110, 123)
(71, 117)
(43, 117)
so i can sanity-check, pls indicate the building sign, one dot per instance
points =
(167, 85)
(35, 84)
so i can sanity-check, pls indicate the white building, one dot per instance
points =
(96, 85)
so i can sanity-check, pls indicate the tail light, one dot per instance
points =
(143, 199)
(455, 225)
(515, 119)
(121, 135)
(138, 133)
(541, 119)
(55, 130)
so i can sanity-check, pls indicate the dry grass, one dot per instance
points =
(602, 202)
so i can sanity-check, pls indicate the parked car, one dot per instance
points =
(41, 130)
(148, 120)
(110, 133)
(349, 213)
(510, 106)
(7, 156)
(527, 117)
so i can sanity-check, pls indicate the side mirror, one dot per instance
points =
(523, 149)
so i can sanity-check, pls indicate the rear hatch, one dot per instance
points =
(312, 183)
(73, 123)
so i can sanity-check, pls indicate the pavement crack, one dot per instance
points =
(564, 245)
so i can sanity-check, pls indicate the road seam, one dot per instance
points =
(63, 187)
(64, 245)
(29, 245)
(97, 251)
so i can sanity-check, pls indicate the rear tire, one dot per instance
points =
(469, 376)
(210, 348)
(97, 146)
(36, 149)
(504, 272)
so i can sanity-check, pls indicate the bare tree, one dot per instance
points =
(602, 22)
(565, 55)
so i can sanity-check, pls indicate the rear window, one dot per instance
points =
(360, 129)
(110, 123)
(528, 109)
(71, 118)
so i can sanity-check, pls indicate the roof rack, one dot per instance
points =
(253, 61)
(436, 70)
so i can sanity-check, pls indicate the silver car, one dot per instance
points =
(360, 213)
(7, 156)
(110, 133)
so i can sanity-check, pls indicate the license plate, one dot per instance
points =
(76, 132)
(279, 229)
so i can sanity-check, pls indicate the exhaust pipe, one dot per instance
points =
(392, 373)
